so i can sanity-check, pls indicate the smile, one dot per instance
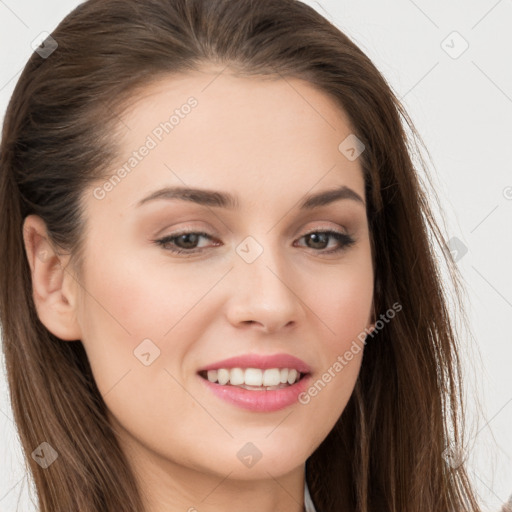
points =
(254, 378)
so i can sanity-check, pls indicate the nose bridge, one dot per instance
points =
(262, 262)
(264, 283)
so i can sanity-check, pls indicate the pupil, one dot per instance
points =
(316, 236)
(187, 236)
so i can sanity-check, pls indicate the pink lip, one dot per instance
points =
(260, 361)
(260, 401)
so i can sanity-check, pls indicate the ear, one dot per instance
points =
(54, 288)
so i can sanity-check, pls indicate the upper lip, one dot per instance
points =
(260, 361)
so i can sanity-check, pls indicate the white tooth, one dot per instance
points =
(284, 375)
(212, 375)
(236, 376)
(271, 377)
(292, 375)
(223, 376)
(253, 377)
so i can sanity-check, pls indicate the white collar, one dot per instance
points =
(308, 502)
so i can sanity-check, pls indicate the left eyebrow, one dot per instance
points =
(225, 200)
(329, 196)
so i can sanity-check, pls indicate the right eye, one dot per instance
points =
(183, 243)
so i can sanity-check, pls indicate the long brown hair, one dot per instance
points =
(387, 451)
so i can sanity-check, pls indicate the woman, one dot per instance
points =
(218, 285)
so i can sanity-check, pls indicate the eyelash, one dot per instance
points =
(345, 240)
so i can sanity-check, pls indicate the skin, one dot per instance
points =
(269, 142)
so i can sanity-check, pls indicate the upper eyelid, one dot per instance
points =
(344, 227)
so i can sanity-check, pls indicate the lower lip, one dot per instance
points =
(259, 401)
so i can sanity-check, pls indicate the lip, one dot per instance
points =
(259, 401)
(264, 362)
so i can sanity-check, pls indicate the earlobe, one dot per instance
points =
(55, 300)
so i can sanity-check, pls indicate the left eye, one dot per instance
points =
(186, 242)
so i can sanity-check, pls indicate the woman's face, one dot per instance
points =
(261, 280)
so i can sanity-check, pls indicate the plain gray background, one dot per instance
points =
(461, 104)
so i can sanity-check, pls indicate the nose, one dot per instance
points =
(264, 292)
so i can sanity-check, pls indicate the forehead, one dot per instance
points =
(210, 128)
(268, 103)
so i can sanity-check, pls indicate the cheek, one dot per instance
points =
(136, 332)
(343, 305)
(128, 318)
